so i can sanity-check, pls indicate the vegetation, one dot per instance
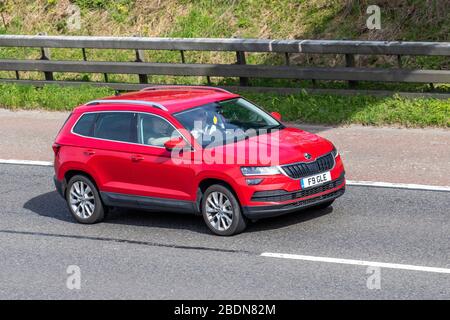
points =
(426, 20)
(319, 109)
(277, 19)
(52, 98)
(365, 110)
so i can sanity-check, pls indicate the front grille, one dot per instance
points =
(283, 195)
(303, 169)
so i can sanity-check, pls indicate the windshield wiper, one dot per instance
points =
(275, 126)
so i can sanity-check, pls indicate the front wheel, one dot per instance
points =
(222, 212)
(84, 200)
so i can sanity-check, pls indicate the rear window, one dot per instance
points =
(117, 126)
(85, 124)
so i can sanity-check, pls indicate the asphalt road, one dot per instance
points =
(154, 255)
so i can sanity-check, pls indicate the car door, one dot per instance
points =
(109, 149)
(156, 173)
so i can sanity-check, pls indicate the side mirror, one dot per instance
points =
(175, 143)
(276, 115)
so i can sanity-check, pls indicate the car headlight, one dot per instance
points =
(256, 171)
(334, 152)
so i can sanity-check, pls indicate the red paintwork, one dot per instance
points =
(150, 171)
(177, 99)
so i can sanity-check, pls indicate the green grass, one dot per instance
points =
(305, 108)
(53, 98)
(359, 109)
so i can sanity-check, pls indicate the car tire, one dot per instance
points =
(84, 201)
(323, 205)
(222, 212)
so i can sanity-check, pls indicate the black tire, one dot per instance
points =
(323, 205)
(238, 220)
(99, 211)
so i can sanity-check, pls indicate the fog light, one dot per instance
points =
(252, 182)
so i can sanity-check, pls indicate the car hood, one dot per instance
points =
(283, 146)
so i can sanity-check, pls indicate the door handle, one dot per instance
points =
(137, 158)
(89, 152)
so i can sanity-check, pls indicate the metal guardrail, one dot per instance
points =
(241, 69)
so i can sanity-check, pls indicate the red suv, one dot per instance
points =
(191, 149)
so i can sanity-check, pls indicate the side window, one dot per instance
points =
(117, 126)
(154, 131)
(85, 124)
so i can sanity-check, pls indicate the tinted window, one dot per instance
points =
(116, 126)
(154, 131)
(85, 124)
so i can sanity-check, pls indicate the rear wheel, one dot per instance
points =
(84, 200)
(222, 212)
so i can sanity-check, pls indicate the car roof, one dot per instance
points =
(171, 99)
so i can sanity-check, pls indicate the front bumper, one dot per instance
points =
(273, 210)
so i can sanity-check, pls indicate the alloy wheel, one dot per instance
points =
(82, 200)
(219, 211)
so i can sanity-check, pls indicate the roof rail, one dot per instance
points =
(135, 102)
(166, 87)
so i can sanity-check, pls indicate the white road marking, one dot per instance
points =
(398, 185)
(356, 262)
(27, 162)
(349, 182)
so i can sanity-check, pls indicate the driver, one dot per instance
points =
(203, 124)
(162, 132)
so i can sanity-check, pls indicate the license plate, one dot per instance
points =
(315, 180)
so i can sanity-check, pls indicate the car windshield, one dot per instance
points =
(226, 121)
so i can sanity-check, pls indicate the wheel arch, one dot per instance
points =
(206, 182)
(73, 172)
